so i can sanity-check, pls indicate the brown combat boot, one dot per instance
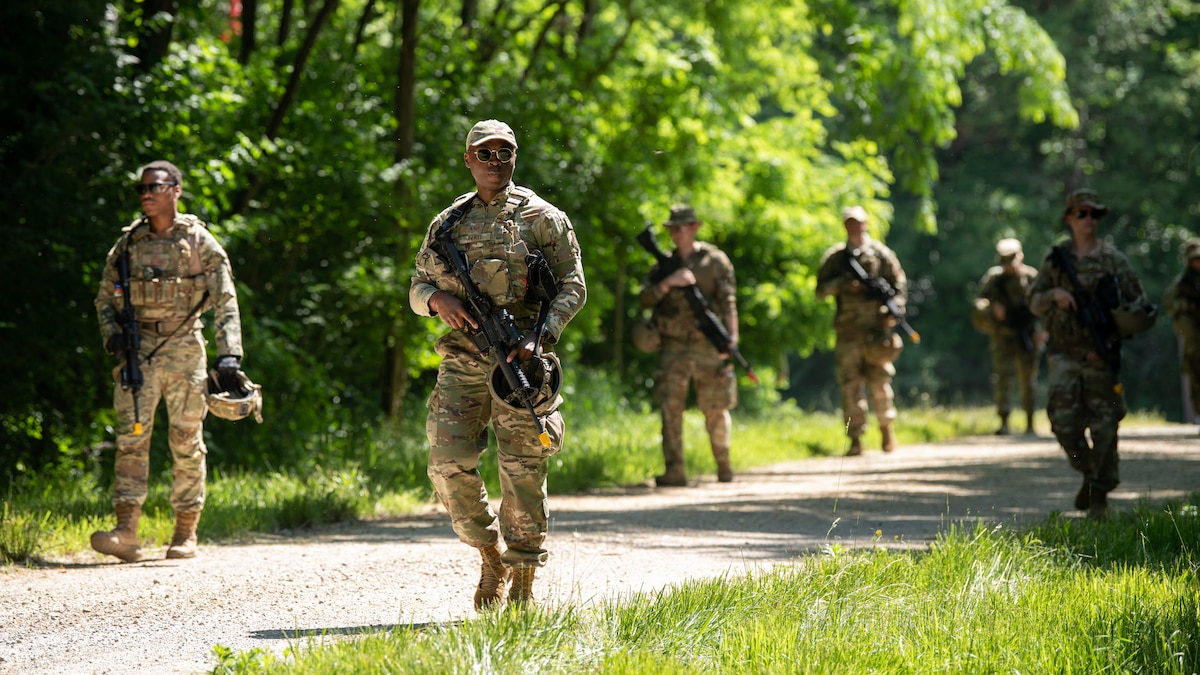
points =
(1098, 507)
(1003, 430)
(1029, 430)
(122, 541)
(856, 448)
(493, 575)
(183, 542)
(675, 476)
(521, 592)
(889, 437)
(724, 472)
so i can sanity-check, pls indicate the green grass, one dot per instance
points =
(608, 443)
(1069, 596)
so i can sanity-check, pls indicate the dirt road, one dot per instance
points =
(92, 616)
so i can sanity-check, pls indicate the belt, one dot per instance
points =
(161, 327)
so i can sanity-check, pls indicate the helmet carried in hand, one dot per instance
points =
(234, 405)
(545, 378)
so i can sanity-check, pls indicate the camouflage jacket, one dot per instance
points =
(673, 316)
(1067, 332)
(859, 315)
(168, 277)
(1011, 291)
(495, 238)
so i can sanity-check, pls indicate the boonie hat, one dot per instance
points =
(855, 212)
(682, 214)
(1085, 197)
(487, 130)
(1007, 248)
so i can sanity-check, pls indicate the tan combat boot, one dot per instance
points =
(889, 437)
(1029, 430)
(122, 541)
(492, 576)
(1003, 430)
(675, 476)
(521, 592)
(183, 542)
(724, 472)
(856, 448)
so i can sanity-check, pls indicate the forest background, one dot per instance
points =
(319, 137)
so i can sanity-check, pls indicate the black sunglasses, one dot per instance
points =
(503, 155)
(156, 188)
(1084, 213)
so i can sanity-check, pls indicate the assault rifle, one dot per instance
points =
(879, 289)
(709, 323)
(131, 371)
(497, 333)
(1021, 319)
(1094, 309)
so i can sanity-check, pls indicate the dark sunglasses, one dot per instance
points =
(503, 155)
(155, 188)
(1084, 213)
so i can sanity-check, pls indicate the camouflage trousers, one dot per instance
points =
(176, 375)
(682, 363)
(1082, 399)
(460, 410)
(856, 373)
(1009, 361)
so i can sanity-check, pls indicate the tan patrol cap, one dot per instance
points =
(855, 212)
(1007, 248)
(487, 130)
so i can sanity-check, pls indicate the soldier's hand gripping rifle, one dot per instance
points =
(879, 289)
(131, 371)
(497, 333)
(1020, 319)
(708, 322)
(1094, 310)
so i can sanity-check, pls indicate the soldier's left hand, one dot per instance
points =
(227, 368)
(526, 349)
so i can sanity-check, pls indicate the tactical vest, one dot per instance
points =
(166, 276)
(495, 249)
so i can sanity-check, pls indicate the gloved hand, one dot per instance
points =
(115, 343)
(227, 372)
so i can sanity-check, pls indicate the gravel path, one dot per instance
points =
(87, 615)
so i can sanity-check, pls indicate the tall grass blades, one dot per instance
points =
(20, 534)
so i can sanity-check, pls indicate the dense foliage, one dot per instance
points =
(319, 138)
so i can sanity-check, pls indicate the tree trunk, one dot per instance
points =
(289, 94)
(249, 30)
(618, 337)
(285, 22)
(405, 111)
(154, 34)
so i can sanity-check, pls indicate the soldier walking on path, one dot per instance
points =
(687, 355)
(1016, 338)
(498, 234)
(867, 342)
(1182, 303)
(1090, 298)
(166, 270)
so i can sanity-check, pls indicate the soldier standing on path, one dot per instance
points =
(1086, 322)
(498, 230)
(1016, 339)
(176, 271)
(1182, 303)
(867, 342)
(687, 355)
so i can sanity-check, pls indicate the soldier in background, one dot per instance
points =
(1086, 399)
(1016, 339)
(867, 342)
(687, 355)
(178, 271)
(1182, 303)
(501, 224)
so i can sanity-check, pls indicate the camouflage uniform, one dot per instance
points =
(495, 238)
(1083, 392)
(688, 356)
(1014, 351)
(1182, 303)
(867, 343)
(169, 277)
